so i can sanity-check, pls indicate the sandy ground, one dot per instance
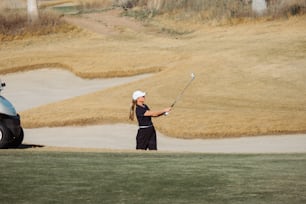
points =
(122, 137)
(29, 89)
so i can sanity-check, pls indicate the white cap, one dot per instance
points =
(138, 94)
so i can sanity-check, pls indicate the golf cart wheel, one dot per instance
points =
(17, 140)
(5, 136)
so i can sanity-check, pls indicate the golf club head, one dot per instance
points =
(192, 76)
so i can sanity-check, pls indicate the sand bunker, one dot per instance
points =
(29, 89)
(122, 137)
(38, 87)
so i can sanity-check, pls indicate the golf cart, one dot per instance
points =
(11, 132)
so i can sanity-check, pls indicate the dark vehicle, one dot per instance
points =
(11, 132)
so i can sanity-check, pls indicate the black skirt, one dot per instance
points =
(146, 138)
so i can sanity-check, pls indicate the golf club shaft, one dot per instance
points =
(182, 92)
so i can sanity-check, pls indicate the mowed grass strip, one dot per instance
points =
(78, 177)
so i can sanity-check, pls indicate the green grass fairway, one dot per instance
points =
(78, 177)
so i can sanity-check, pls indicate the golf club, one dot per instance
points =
(182, 92)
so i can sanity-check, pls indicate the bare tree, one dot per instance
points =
(259, 6)
(32, 11)
(125, 4)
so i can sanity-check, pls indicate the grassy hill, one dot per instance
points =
(250, 76)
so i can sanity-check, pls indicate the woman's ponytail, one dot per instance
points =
(132, 110)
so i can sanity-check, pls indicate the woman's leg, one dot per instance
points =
(153, 141)
(142, 139)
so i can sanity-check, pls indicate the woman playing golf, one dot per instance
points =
(146, 135)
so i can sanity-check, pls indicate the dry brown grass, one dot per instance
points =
(12, 4)
(287, 8)
(250, 78)
(215, 11)
(93, 4)
(48, 4)
(15, 25)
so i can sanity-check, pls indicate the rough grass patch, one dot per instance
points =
(288, 8)
(15, 25)
(93, 5)
(217, 10)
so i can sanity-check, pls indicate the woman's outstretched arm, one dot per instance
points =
(156, 113)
